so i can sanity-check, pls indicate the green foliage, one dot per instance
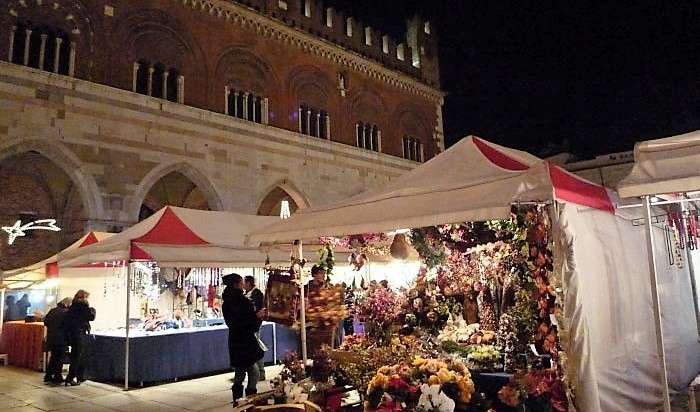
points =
(429, 245)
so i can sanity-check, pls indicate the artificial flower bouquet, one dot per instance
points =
(484, 357)
(538, 390)
(423, 384)
(380, 308)
(326, 308)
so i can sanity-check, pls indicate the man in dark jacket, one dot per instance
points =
(242, 321)
(77, 324)
(258, 298)
(56, 340)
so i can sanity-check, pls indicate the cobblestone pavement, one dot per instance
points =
(24, 390)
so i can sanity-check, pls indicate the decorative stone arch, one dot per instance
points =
(309, 85)
(71, 16)
(157, 37)
(289, 189)
(193, 174)
(367, 106)
(412, 120)
(239, 67)
(69, 163)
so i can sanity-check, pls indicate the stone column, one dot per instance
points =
(357, 134)
(420, 152)
(308, 121)
(165, 84)
(11, 50)
(245, 106)
(379, 141)
(255, 101)
(328, 127)
(227, 92)
(151, 69)
(71, 60)
(181, 89)
(235, 103)
(27, 39)
(318, 124)
(42, 50)
(300, 114)
(363, 139)
(265, 111)
(57, 55)
(135, 76)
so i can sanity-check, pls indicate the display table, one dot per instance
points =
(23, 343)
(175, 353)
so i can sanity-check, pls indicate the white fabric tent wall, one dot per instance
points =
(607, 301)
(110, 307)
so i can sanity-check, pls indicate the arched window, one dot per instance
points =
(314, 122)
(368, 136)
(157, 80)
(141, 77)
(43, 48)
(412, 149)
(246, 105)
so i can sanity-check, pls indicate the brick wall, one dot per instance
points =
(270, 53)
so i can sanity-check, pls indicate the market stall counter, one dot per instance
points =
(23, 343)
(176, 353)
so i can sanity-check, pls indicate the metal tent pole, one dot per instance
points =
(304, 355)
(128, 307)
(657, 308)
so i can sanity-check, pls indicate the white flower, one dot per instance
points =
(432, 399)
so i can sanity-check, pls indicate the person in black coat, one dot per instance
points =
(77, 324)
(243, 348)
(56, 340)
(258, 298)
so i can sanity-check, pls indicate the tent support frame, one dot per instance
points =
(657, 309)
(304, 354)
(126, 341)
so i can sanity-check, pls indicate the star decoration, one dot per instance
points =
(19, 230)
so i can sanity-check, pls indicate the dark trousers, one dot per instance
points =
(55, 367)
(77, 358)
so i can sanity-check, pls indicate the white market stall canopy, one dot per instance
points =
(37, 272)
(661, 166)
(473, 180)
(176, 237)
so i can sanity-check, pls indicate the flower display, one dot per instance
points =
(326, 308)
(423, 382)
(538, 389)
(432, 399)
(380, 308)
(484, 357)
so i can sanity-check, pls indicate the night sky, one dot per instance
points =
(567, 76)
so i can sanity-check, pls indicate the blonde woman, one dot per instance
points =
(78, 321)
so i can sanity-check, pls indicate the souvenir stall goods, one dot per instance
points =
(606, 357)
(202, 241)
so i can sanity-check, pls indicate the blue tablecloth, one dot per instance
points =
(175, 353)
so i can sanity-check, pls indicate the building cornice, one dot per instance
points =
(266, 26)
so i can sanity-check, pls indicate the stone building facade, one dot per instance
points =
(112, 109)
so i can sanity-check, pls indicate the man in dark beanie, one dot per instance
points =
(243, 348)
